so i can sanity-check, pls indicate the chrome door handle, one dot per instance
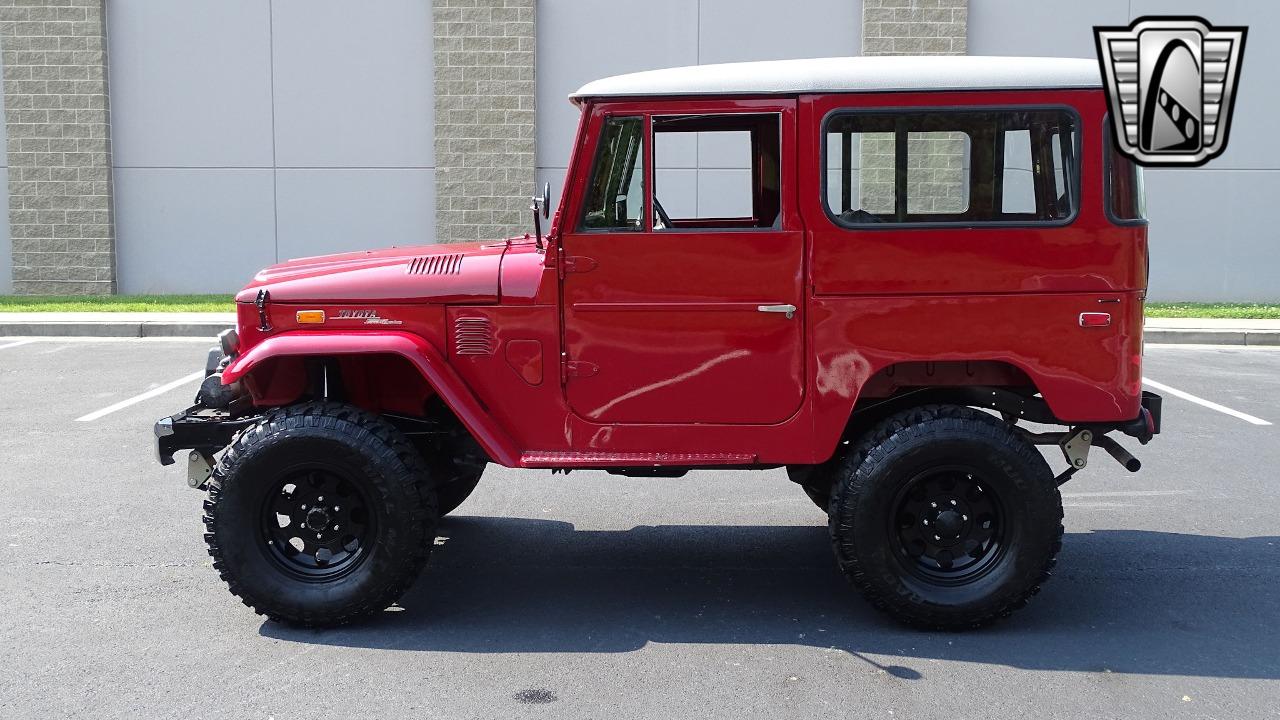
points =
(790, 310)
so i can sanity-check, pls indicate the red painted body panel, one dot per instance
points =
(647, 347)
(389, 276)
(443, 378)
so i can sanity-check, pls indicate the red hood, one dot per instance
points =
(462, 272)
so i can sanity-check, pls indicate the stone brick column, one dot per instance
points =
(484, 133)
(936, 161)
(56, 109)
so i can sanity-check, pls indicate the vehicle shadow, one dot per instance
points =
(1122, 601)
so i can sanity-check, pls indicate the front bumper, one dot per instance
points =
(199, 428)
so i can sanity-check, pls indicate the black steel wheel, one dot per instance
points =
(317, 523)
(320, 514)
(947, 526)
(945, 518)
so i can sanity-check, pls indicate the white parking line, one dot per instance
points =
(139, 398)
(1125, 493)
(1207, 403)
(16, 344)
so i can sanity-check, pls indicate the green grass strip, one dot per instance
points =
(117, 303)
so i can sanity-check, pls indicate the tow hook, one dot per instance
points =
(1075, 446)
(199, 469)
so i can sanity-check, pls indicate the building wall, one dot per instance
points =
(59, 147)
(484, 70)
(1211, 234)
(6, 245)
(251, 131)
(246, 131)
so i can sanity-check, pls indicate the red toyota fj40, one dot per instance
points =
(894, 264)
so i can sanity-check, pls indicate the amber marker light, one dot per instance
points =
(310, 317)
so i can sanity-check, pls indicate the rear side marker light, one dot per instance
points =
(1095, 319)
(310, 317)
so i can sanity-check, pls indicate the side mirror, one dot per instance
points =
(541, 207)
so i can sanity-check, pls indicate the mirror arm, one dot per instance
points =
(537, 221)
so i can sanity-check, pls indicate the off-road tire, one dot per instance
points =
(864, 519)
(815, 480)
(375, 458)
(821, 496)
(455, 492)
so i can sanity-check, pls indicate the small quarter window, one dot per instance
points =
(615, 197)
(1127, 198)
(963, 167)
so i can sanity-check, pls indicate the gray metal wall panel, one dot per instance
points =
(1210, 238)
(324, 211)
(192, 89)
(1039, 29)
(581, 40)
(192, 230)
(737, 31)
(190, 83)
(353, 83)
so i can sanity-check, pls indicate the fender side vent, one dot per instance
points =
(472, 336)
(435, 265)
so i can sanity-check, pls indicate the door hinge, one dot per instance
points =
(577, 264)
(580, 369)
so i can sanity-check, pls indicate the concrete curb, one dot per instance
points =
(133, 328)
(115, 329)
(1206, 336)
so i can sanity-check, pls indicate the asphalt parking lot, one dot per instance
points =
(590, 595)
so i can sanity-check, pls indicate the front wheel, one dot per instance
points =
(945, 518)
(455, 492)
(319, 514)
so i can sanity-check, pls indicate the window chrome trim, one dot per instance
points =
(951, 110)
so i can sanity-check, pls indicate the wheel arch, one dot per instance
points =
(274, 369)
(994, 384)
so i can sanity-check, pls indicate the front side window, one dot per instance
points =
(1014, 166)
(718, 172)
(615, 196)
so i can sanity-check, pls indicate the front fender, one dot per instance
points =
(424, 356)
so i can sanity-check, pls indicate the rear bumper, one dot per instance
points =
(1151, 411)
(197, 428)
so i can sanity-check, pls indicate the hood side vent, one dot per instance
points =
(435, 265)
(472, 336)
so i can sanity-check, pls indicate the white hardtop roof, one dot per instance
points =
(852, 74)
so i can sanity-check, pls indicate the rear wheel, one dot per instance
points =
(945, 518)
(319, 514)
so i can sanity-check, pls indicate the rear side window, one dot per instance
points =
(1126, 196)
(957, 167)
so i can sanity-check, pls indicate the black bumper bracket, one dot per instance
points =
(197, 428)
